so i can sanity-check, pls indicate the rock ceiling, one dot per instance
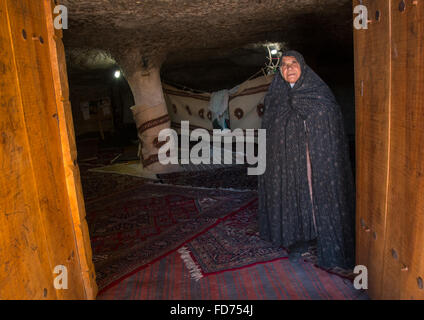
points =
(214, 38)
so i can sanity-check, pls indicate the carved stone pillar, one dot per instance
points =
(150, 111)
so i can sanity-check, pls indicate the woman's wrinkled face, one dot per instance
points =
(290, 69)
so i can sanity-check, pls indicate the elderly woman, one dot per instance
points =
(306, 195)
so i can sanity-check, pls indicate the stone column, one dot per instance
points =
(150, 111)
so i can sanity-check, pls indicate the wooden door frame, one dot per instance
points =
(69, 152)
(388, 100)
(43, 231)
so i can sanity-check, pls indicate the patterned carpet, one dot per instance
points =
(311, 257)
(234, 177)
(235, 244)
(137, 226)
(169, 279)
(232, 244)
(97, 185)
(132, 228)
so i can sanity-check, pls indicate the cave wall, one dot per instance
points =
(95, 85)
(81, 94)
(214, 45)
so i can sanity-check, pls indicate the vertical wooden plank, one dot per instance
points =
(404, 254)
(372, 96)
(41, 122)
(67, 135)
(25, 268)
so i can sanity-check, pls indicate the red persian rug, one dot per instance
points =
(311, 257)
(235, 244)
(96, 185)
(232, 244)
(133, 228)
(234, 177)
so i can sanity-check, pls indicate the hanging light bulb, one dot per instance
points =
(274, 51)
(117, 74)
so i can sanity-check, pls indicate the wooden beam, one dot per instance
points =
(41, 217)
(404, 254)
(69, 152)
(372, 96)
